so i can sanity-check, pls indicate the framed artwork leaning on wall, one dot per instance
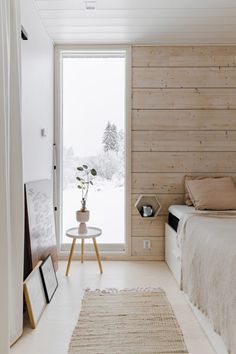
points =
(34, 295)
(49, 278)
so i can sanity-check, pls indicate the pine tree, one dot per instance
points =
(110, 138)
(115, 138)
(106, 137)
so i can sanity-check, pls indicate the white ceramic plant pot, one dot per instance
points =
(82, 217)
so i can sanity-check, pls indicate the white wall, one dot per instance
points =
(37, 96)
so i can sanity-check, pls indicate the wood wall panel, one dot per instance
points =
(184, 98)
(154, 119)
(173, 183)
(183, 56)
(148, 227)
(157, 247)
(183, 140)
(183, 122)
(165, 200)
(184, 77)
(184, 162)
(150, 182)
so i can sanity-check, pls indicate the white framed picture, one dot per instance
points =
(34, 295)
(49, 278)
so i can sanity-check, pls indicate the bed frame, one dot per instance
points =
(172, 258)
(172, 255)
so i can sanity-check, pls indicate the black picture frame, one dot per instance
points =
(49, 278)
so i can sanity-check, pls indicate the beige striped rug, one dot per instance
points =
(136, 321)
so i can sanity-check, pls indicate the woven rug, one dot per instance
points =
(136, 321)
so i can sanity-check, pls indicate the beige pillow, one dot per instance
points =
(187, 198)
(212, 193)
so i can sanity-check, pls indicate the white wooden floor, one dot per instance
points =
(53, 333)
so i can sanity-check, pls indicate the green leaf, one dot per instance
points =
(93, 172)
(78, 178)
(91, 183)
(80, 168)
(79, 187)
(85, 166)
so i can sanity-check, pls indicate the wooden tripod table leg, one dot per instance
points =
(97, 254)
(82, 250)
(70, 256)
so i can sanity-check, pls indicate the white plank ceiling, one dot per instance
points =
(140, 21)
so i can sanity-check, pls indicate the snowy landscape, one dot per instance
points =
(93, 135)
(106, 195)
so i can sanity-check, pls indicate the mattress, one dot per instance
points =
(176, 212)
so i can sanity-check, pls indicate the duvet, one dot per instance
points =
(208, 257)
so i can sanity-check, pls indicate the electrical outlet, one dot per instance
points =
(146, 244)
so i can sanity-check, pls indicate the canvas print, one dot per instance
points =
(34, 295)
(40, 238)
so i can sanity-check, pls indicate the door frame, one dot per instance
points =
(59, 50)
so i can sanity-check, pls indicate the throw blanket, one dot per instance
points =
(208, 243)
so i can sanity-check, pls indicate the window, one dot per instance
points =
(92, 131)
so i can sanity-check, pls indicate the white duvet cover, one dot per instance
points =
(208, 245)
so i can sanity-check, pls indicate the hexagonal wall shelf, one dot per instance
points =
(148, 200)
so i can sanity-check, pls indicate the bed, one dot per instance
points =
(201, 253)
(172, 248)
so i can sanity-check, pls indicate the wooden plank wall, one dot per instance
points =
(183, 122)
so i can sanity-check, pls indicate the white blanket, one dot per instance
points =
(208, 243)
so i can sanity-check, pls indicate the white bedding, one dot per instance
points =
(208, 262)
(180, 210)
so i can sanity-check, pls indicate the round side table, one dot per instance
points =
(92, 232)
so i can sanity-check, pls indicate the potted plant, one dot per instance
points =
(84, 181)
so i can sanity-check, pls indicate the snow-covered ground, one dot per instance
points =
(106, 205)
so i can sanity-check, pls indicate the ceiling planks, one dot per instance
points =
(140, 21)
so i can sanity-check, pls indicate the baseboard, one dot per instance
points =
(63, 256)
